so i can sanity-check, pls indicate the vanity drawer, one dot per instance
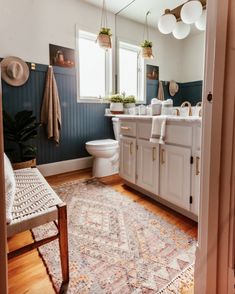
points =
(180, 135)
(144, 130)
(128, 128)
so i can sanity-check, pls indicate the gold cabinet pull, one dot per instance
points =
(197, 165)
(162, 156)
(154, 153)
(125, 128)
(131, 151)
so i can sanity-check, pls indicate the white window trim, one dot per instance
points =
(130, 45)
(90, 35)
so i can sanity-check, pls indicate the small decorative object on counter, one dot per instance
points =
(105, 34)
(142, 110)
(197, 110)
(167, 107)
(186, 109)
(147, 50)
(129, 101)
(116, 104)
(156, 106)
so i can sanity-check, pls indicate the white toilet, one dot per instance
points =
(105, 153)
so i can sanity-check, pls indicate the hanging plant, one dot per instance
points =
(146, 45)
(104, 37)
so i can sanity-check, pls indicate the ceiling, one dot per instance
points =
(137, 10)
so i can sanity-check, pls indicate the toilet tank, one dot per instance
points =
(116, 128)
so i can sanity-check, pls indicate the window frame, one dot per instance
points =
(141, 88)
(90, 35)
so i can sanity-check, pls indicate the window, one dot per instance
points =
(94, 69)
(130, 71)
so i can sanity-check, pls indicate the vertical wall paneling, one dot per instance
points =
(81, 122)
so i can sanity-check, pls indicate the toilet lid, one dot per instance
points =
(106, 142)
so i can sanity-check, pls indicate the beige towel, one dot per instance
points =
(160, 94)
(51, 111)
(158, 131)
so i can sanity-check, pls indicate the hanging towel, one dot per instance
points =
(160, 94)
(51, 111)
(158, 131)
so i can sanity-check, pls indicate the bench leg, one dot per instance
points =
(63, 242)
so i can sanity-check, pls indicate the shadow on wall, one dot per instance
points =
(81, 122)
(191, 92)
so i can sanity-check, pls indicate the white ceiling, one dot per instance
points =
(137, 10)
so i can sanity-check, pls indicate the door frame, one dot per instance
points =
(215, 244)
(3, 239)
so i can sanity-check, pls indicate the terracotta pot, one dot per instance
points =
(147, 52)
(24, 164)
(104, 41)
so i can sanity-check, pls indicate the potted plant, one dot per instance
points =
(18, 133)
(129, 101)
(147, 51)
(116, 104)
(104, 38)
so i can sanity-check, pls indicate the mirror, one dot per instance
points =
(178, 60)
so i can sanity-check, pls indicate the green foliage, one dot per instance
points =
(129, 99)
(19, 131)
(117, 98)
(146, 44)
(105, 31)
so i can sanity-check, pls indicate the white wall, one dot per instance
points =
(28, 26)
(193, 53)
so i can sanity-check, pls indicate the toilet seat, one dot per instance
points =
(103, 144)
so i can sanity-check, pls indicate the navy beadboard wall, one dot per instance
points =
(81, 122)
(191, 91)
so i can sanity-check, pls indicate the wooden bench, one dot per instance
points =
(36, 204)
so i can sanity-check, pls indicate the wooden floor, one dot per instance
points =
(27, 273)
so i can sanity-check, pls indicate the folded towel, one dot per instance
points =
(51, 111)
(158, 130)
(10, 187)
(160, 94)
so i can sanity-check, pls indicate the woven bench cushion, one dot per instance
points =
(35, 201)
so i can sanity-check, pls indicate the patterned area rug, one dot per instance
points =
(116, 245)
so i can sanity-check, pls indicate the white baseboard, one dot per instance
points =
(61, 167)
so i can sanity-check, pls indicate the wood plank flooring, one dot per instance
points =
(27, 273)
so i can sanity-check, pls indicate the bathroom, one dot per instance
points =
(149, 153)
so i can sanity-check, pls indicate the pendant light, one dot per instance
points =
(191, 11)
(147, 50)
(167, 22)
(181, 30)
(104, 36)
(201, 23)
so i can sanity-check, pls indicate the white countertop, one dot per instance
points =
(148, 117)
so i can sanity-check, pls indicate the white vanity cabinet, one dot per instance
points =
(147, 160)
(168, 173)
(175, 175)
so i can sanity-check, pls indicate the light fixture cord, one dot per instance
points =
(104, 19)
(146, 29)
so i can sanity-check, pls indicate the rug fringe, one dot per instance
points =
(186, 273)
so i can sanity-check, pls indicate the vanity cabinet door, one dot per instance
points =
(196, 173)
(127, 168)
(148, 166)
(175, 175)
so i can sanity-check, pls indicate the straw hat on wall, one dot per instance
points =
(173, 88)
(15, 71)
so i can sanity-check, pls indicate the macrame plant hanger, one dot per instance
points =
(104, 37)
(147, 52)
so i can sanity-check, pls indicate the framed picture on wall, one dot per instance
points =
(61, 56)
(152, 72)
